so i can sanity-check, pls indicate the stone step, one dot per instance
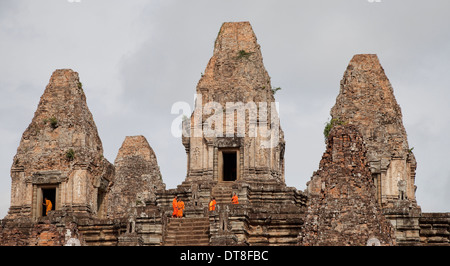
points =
(187, 235)
(180, 243)
(99, 235)
(188, 229)
(193, 238)
(187, 232)
(183, 228)
(190, 226)
(187, 242)
(188, 220)
(187, 224)
(222, 193)
(200, 237)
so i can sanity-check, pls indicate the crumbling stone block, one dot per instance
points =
(342, 208)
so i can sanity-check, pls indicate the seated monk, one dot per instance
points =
(234, 199)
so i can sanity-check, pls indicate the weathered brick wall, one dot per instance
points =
(16, 234)
(27, 233)
(435, 229)
(342, 207)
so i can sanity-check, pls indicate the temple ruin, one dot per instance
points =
(363, 192)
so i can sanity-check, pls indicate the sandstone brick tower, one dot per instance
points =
(366, 100)
(137, 177)
(234, 144)
(60, 155)
(234, 132)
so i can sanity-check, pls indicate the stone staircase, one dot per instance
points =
(187, 232)
(223, 192)
(99, 234)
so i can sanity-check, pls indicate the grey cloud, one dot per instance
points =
(137, 58)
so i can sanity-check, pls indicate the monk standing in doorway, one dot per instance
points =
(48, 205)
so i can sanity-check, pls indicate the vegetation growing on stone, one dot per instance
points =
(243, 54)
(274, 90)
(70, 154)
(329, 125)
(53, 122)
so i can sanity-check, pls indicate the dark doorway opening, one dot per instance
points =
(100, 200)
(50, 194)
(229, 166)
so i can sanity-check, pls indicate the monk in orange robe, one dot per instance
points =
(48, 205)
(235, 199)
(175, 206)
(212, 204)
(180, 207)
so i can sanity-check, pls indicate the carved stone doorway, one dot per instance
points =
(50, 194)
(228, 165)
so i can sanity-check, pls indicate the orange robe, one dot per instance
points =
(175, 208)
(235, 200)
(212, 205)
(49, 205)
(180, 207)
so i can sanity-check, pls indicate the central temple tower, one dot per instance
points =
(234, 132)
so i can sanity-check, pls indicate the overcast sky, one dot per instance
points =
(136, 58)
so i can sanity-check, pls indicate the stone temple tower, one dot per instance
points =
(137, 177)
(366, 100)
(60, 156)
(235, 145)
(234, 131)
